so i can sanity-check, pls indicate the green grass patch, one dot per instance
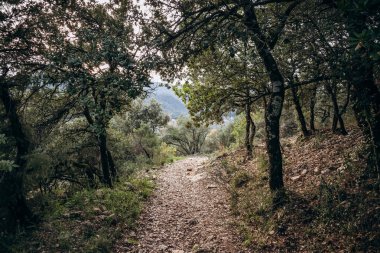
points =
(90, 220)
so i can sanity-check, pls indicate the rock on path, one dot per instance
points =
(189, 212)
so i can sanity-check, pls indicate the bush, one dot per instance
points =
(90, 220)
(241, 179)
(238, 130)
(164, 154)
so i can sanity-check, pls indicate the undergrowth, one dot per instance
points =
(340, 215)
(90, 220)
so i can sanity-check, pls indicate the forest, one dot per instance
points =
(280, 150)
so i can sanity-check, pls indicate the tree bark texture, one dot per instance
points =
(301, 117)
(248, 121)
(337, 118)
(14, 210)
(313, 102)
(102, 142)
(275, 103)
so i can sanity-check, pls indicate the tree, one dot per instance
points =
(187, 137)
(24, 30)
(361, 17)
(351, 54)
(102, 68)
(332, 91)
(140, 113)
(64, 61)
(212, 92)
(140, 125)
(199, 25)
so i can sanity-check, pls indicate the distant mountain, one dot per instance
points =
(169, 101)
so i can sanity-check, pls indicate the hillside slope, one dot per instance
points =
(332, 205)
(169, 101)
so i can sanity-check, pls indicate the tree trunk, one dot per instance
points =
(90, 176)
(102, 142)
(274, 107)
(342, 128)
(337, 115)
(301, 117)
(252, 133)
(366, 97)
(145, 152)
(334, 125)
(326, 115)
(112, 165)
(13, 206)
(365, 94)
(248, 120)
(313, 101)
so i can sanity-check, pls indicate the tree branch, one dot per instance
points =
(276, 35)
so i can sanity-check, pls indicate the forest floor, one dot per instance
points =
(189, 212)
(332, 201)
(223, 204)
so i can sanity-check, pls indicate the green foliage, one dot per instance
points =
(187, 136)
(150, 114)
(2, 139)
(135, 136)
(89, 220)
(225, 136)
(219, 139)
(238, 131)
(71, 72)
(207, 100)
(39, 169)
(5, 165)
(123, 202)
(367, 38)
(165, 154)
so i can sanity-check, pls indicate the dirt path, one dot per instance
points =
(189, 212)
